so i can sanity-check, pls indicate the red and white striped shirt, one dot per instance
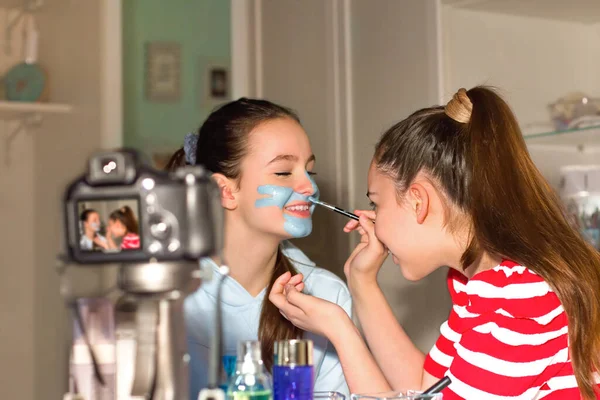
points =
(506, 338)
(130, 241)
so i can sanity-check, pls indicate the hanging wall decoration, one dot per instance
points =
(163, 72)
(214, 82)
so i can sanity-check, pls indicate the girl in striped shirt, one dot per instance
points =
(123, 225)
(455, 186)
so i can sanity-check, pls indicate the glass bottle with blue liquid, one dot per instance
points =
(229, 362)
(251, 381)
(293, 373)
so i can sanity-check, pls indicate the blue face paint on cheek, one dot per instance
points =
(297, 227)
(279, 196)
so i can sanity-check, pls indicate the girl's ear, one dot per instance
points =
(419, 201)
(227, 188)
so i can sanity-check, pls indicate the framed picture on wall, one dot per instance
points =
(163, 72)
(214, 82)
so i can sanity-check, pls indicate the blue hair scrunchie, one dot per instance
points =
(190, 144)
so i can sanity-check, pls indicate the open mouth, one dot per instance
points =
(301, 210)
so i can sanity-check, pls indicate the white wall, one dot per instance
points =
(17, 282)
(594, 36)
(534, 61)
(34, 328)
(76, 67)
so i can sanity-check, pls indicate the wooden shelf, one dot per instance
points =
(14, 110)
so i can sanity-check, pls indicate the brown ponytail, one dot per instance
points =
(273, 326)
(473, 148)
(177, 160)
(535, 231)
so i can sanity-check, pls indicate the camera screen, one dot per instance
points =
(109, 225)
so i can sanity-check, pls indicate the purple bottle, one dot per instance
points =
(293, 373)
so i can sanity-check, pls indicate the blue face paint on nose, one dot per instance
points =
(316, 192)
(280, 196)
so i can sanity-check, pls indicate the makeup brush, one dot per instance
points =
(333, 208)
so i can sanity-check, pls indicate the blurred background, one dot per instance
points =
(83, 75)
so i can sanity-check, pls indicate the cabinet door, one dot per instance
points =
(395, 64)
(303, 64)
(351, 70)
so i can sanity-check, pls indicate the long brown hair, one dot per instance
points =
(126, 216)
(222, 143)
(473, 149)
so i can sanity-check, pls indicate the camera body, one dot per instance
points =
(148, 215)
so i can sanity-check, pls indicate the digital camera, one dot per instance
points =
(124, 211)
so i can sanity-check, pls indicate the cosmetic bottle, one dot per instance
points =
(293, 371)
(251, 381)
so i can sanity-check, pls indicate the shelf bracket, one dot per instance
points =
(23, 124)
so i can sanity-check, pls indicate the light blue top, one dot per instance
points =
(241, 314)
(85, 243)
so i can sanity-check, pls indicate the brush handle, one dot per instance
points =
(334, 208)
(437, 387)
(346, 213)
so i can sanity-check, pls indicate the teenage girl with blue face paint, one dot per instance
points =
(262, 161)
(90, 226)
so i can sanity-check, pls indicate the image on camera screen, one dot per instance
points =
(109, 225)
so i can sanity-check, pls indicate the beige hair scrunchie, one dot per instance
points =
(460, 107)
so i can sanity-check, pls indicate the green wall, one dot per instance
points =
(202, 27)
